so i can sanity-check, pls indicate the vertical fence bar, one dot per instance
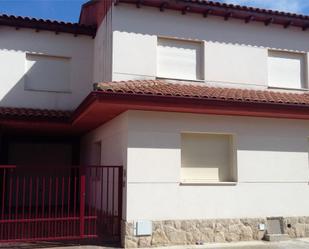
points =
(88, 194)
(56, 207)
(107, 199)
(39, 213)
(36, 206)
(30, 206)
(69, 197)
(23, 207)
(96, 182)
(74, 203)
(82, 202)
(49, 205)
(16, 204)
(10, 206)
(113, 201)
(62, 205)
(43, 206)
(3, 194)
(120, 193)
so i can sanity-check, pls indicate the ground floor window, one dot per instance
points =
(207, 158)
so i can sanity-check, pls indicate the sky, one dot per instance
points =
(296, 6)
(63, 10)
(68, 10)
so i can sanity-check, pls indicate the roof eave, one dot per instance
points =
(110, 105)
(99, 107)
(47, 25)
(227, 11)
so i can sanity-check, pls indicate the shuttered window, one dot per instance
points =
(179, 59)
(286, 69)
(47, 73)
(206, 158)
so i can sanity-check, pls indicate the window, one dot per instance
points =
(286, 69)
(207, 158)
(179, 59)
(47, 73)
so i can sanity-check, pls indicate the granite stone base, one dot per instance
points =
(296, 227)
(192, 232)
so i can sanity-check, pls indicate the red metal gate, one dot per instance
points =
(60, 203)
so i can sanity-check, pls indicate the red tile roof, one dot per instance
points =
(40, 24)
(199, 91)
(246, 8)
(10, 112)
(113, 98)
(227, 11)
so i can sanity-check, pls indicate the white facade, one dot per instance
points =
(17, 45)
(235, 53)
(271, 166)
(126, 47)
(271, 155)
(102, 52)
(113, 140)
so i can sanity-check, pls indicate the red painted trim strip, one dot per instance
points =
(99, 107)
(192, 105)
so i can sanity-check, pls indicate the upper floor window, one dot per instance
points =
(47, 73)
(286, 69)
(179, 59)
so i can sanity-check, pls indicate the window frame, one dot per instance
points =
(27, 88)
(233, 164)
(305, 55)
(201, 58)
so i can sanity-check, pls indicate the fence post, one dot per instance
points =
(120, 196)
(82, 200)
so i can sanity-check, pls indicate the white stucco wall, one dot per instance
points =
(272, 168)
(235, 63)
(102, 66)
(113, 138)
(235, 52)
(134, 55)
(14, 44)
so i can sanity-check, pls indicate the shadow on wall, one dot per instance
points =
(163, 131)
(75, 58)
(26, 92)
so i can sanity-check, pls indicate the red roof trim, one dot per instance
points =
(48, 25)
(11, 113)
(111, 104)
(203, 106)
(248, 14)
(114, 98)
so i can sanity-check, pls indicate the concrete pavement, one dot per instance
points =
(290, 244)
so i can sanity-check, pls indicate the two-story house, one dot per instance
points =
(160, 122)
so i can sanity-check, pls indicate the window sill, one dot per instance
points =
(179, 79)
(205, 183)
(48, 91)
(288, 89)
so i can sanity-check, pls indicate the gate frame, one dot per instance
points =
(82, 204)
